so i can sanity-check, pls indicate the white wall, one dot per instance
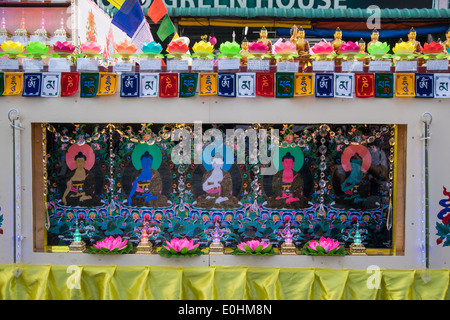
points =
(237, 110)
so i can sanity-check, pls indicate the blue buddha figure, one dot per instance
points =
(147, 186)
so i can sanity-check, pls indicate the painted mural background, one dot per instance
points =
(113, 178)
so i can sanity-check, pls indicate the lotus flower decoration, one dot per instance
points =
(90, 49)
(37, 50)
(63, 49)
(284, 49)
(178, 48)
(125, 50)
(350, 50)
(151, 50)
(230, 50)
(253, 247)
(404, 50)
(12, 49)
(180, 248)
(203, 50)
(379, 50)
(323, 50)
(111, 245)
(258, 50)
(434, 50)
(325, 246)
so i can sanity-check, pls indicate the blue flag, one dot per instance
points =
(424, 85)
(32, 84)
(226, 86)
(324, 85)
(129, 85)
(129, 17)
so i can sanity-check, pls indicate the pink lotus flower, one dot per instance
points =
(257, 47)
(432, 47)
(90, 48)
(255, 246)
(348, 47)
(282, 46)
(110, 243)
(182, 246)
(322, 47)
(63, 47)
(327, 244)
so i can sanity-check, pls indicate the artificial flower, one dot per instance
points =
(350, 46)
(230, 49)
(151, 47)
(37, 48)
(203, 49)
(254, 247)
(111, 245)
(433, 47)
(13, 48)
(378, 48)
(403, 48)
(90, 48)
(180, 247)
(125, 47)
(283, 46)
(177, 47)
(325, 246)
(63, 47)
(213, 40)
(322, 47)
(257, 47)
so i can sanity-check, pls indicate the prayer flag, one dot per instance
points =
(50, 84)
(13, 83)
(404, 85)
(344, 85)
(285, 84)
(246, 85)
(365, 85)
(188, 84)
(107, 84)
(424, 85)
(324, 85)
(304, 84)
(89, 84)
(32, 84)
(207, 84)
(265, 84)
(157, 10)
(226, 86)
(129, 85)
(442, 85)
(69, 83)
(384, 85)
(168, 85)
(165, 29)
(149, 85)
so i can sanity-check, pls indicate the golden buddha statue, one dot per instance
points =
(412, 39)
(294, 32)
(337, 42)
(244, 52)
(301, 43)
(362, 49)
(446, 43)
(263, 37)
(374, 37)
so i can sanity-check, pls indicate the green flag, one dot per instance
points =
(165, 29)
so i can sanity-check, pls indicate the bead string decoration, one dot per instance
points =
(45, 173)
(389, 221)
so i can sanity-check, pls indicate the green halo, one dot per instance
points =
(296, 152)
(140, 149)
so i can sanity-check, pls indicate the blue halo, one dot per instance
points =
(209, 152)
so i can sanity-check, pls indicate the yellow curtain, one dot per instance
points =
(110, 282)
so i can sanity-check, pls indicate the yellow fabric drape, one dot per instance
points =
(110, 282)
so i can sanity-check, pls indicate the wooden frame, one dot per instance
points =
(39, 231)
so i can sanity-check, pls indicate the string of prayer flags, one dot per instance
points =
(188, 84)
(69, 83)
(207, 84)
(32, 84)
(13, 83)
(129, 85)
(168, 85)
(285, 84)
(149, 85)
(384, 85)
(344, 85)
(404, 85)
(246, 85)
(107, 84)
(2, 83)
(265, 84)
(364, 85)
(424, 85)
(88, 84)
(50, 84)
(442, 85)
(324, 85)
(304, 84)
(226, 85)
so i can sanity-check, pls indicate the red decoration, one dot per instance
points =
(364, 85)
(69, 83)
(157, 10)
(168, 85)
(265, 84)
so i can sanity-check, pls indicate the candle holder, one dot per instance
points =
(287, 247)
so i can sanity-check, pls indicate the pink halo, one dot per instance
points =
(73, 151)
(362, 151)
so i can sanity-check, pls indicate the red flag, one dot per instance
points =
(364, 85)
(168, 85)
(157, 10)
(265, 84)
(69, 83)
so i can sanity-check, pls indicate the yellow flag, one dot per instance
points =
(207, 83)
(405, 85)
(304, 84)
(13, 83)
(107, 83)
(175, 36)
(117, 3)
